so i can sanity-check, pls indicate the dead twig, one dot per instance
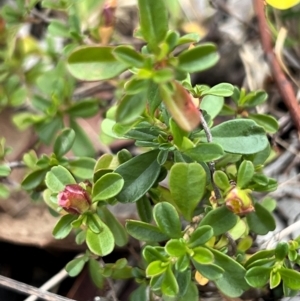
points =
(284, 85)
(30, 290)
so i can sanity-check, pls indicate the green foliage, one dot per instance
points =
(191, 179)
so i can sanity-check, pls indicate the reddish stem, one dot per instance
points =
(283, 83)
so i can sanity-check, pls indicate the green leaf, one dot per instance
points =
(95, 273)
(240, 136)
(100, 243)
(59, 29)
(107, 187)
(136, 85)
(155, 268)
(253, 99)
(82, 146)
(176, 247)
(198, 58)
(34, 179)
(167, 219)
(257, 256)
(275, 279)
(82, 168)
(291, 278)
(117, 229)
(153, 96)
(200, 236)
(92, 63)
(140, 294)
(191, 294)
(64, 142)
(281, 250)
(154, 253)
(261, 221)
(139, 174)
(128, 56)
(205, 152)
(4, 192)
(203, 255)
(183, 263)
(92, 221)
(64, 226)
(144, 209)
(245, 174)
(75, 266)
(169, 286)
(212, 105)
(84, 108)
(46, 130)
(153, 21)
(145, 232)
(232, 283)
(130, 108)
(258, 276)
(4, 170)
(221, 179)
(209, 271)
(268, 122)
(189, 38)
(220, 219)
(223, 89)
(57, 178)
(187, 185)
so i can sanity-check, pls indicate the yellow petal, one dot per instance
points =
(282, 4)
(201, 279)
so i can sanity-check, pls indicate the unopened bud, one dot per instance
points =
(239, 201)
(74, 199)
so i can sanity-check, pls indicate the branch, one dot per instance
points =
(30, 290)
(284, 85)
(56, 279)
(211, 164)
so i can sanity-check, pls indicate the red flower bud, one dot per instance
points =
(74, 199)
(239, 201)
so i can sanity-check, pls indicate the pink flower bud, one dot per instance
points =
(239, 201)
(74, 199)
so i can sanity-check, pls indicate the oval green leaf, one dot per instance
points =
(198, 58)
(100, 243)
(128, 56)
(153, 21)
(268, 122)
(145, 232)
(240, 136)
(57, 178)
(139, 174)
(205, 152)
(64, 142)
(258, 276)
(261, 221)
(187, 185)
(167, 219)
(93, 63)
(245, 173)
(117, 229)
(130, 108)
(64, 226)
(200, 236)
(291, 278)
(107, 187)
(220, 219)
(33, 179)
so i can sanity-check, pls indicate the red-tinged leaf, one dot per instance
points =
(181, 107)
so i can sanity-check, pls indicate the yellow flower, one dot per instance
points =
(282, 4)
